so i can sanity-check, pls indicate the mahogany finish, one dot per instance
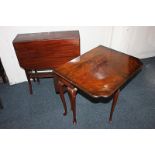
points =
(46, 50)
(100, 73)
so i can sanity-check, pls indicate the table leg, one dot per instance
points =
(29, 81)
(72, 94)
(70, 97)
(34, 79)
(113, 104)
(60, 86)
(56, 84)
(37, 77)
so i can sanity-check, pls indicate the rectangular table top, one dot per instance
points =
(46, 50)
(99, 72)
(57, 35)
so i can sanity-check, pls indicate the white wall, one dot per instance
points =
(137, 41)
(90, 37)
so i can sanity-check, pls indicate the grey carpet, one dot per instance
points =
(43, 109)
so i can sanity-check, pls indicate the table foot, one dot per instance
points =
(65, 113)
(72, 93)
(74, 122)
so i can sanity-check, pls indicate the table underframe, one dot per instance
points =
(35, 75)
(72, 91)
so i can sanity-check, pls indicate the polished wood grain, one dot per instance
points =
(101, 72)
(46, 50)
(45, 36)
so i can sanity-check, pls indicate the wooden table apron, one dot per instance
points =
(72, 91)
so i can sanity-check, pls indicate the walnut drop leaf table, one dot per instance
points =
(101, 72)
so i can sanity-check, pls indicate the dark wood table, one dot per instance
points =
(100, 73)
(45, 51)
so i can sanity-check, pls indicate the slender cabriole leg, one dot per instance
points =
(29, 81)
(60, 86)
(72, 94)
(113, 104)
